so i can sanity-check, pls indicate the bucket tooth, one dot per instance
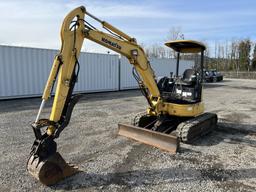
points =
(50, 170)
(162, 141)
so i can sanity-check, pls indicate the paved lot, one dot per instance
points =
(223, 161)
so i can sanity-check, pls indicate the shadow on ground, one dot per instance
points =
(34, 103)
(213, 85)
(132, 179)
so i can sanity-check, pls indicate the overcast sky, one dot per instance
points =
(35, 23)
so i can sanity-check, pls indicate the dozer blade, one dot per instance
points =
(162, 141)
(51, 170)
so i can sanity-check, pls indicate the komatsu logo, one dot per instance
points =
(111, 43)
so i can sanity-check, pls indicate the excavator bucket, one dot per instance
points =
(50, 170)
(166, 142)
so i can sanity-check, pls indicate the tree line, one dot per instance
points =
(232, 55)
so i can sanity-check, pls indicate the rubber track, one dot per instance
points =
(194, 128)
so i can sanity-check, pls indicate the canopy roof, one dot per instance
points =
(186, 46)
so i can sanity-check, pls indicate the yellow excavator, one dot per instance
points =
(175, 112)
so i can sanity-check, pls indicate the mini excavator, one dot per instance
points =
(175, 112)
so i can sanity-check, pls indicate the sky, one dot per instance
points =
(36, 23)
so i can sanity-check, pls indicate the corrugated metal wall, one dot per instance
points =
(24, 71)
(162, 67)
(98, 72)
(127, 81)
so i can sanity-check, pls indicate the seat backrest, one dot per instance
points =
(188, 76)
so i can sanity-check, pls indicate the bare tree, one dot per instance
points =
(175, 33)
(227, 55)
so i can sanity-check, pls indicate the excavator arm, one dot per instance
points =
(65, 68)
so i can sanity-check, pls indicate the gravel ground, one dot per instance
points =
(225, 160)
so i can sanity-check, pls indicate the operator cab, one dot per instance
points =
(187, 88)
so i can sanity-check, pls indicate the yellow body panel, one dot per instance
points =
(180, 110)
(184, 110)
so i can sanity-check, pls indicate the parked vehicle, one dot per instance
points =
(212, 75)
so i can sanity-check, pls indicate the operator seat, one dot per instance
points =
(189, 77)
